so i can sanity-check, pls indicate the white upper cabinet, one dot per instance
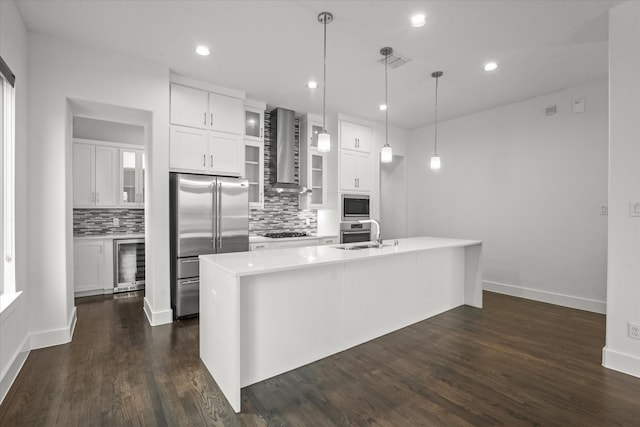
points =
(355, 137)
(94, 175)
(201, 151)
(205, 110)
(189, 106)
(355, 169)
(225, 114)
(206, 131)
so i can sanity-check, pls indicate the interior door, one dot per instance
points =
(194, 214)
(232, 215)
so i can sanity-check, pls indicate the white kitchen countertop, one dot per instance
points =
(262, 239)
(110, 236)
(259, 262)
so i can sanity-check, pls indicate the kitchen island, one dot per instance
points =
(267, 312)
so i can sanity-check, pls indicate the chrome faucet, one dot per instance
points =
(378, 239)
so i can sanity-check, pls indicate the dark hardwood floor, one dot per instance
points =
(516, 362)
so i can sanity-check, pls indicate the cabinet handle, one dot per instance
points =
(204, 160)
(211, 119)
(211, 160)
(260, 197)
(205, 118)
(261, 133)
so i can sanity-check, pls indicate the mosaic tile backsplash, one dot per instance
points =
(90, 222)
(280, 212)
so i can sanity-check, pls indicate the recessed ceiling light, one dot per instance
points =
(312, 84)
(202, 50)
(383, 107)
(418, 20)
(490, 66)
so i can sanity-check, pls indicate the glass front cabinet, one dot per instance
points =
(254, 172)
(313, 164)
(132, 164)
(254, 151)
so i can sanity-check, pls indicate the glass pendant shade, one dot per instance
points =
(324, 142)
(386, 154)
(435, 162)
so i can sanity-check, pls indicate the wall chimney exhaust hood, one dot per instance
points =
(282, 159)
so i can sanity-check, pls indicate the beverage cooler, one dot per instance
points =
(128, 259)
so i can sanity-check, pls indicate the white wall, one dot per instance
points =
(623, 291)
(530, 186)
(61, 71)
(14, 344)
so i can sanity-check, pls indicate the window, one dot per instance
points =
(7, 144)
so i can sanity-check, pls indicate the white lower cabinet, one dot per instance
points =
(354, 171)
(259, 246)
(330, 240)
(298, 243)
(198, 150)
(92, 267)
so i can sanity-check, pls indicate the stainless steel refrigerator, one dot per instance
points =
(209, 214)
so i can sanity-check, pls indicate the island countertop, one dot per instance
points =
(259, 262)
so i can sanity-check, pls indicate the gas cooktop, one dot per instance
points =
(284, 234)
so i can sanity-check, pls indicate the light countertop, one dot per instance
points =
(258, 262)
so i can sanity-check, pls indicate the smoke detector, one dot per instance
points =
(395, 60)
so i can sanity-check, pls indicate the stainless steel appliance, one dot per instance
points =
(209, 214)
(128, 265)
(354, 207)
(352, 232)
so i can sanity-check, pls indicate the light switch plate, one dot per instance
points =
(604, 210)
(634, 208)
(579, 105)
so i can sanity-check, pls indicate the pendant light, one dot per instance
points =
(386, 154)
(324, 140)
(435, 158)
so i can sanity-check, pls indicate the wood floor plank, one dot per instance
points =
(514, 363)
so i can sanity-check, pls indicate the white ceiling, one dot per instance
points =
(270, 49)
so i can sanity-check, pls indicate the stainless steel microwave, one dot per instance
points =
(354, 207)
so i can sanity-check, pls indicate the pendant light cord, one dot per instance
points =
(386, 103)
(435, 144)
(324, 84)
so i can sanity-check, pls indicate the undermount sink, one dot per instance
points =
(362, 246)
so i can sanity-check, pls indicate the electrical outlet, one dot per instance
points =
(634, 330)
(116, 222)
(604, 210)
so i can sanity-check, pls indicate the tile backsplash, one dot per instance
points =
(89, 222)
(281, 212)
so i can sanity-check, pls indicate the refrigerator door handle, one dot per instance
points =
(219, 214)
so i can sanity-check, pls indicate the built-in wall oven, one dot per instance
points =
(128, 257)
(354, 207)
(353, 232)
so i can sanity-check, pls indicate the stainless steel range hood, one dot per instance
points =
(282, 159)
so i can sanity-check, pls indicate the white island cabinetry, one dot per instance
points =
(266, 312)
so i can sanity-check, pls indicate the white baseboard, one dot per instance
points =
(621, 362)
(14, 368)
(55, 336)
(548, 297)
(156, 318)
